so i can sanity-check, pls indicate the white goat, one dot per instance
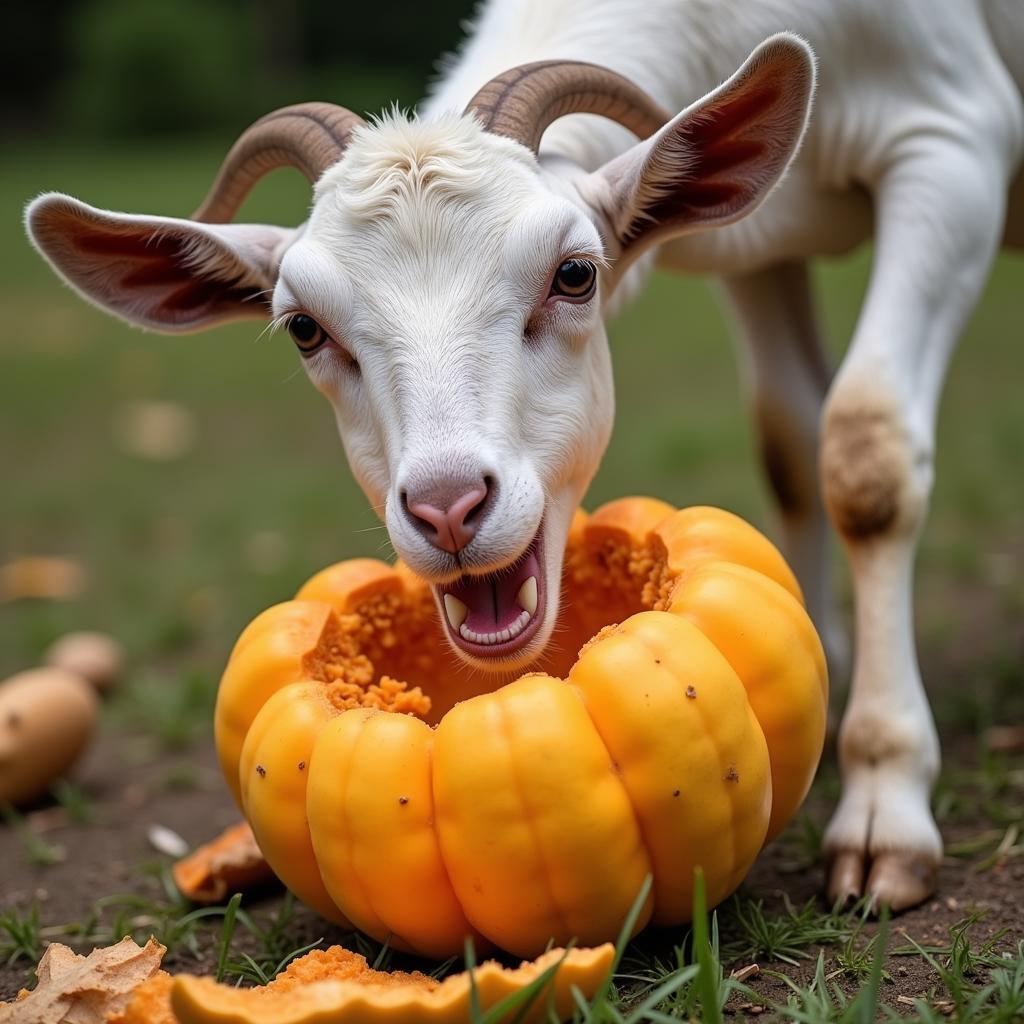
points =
(447, 294)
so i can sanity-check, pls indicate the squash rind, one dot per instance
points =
(775, 651)
(267, 656)
(274, 771)
(371, 811)
(525, 793)
(674, 715)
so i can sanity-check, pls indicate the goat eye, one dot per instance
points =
(575, 279)
(307, 334)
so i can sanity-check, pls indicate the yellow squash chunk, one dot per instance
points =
(352, 993)
(230, 863)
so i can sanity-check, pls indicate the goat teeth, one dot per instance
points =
(527, 596)
(499, 636)
(456, 610)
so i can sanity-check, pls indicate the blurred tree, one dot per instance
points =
(158, 68)
(35, 50)
(103, 69)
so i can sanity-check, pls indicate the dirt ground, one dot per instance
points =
(995, 894)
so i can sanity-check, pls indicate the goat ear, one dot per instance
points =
(163, 273)
(719, 158)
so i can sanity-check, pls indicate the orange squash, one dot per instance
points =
(389, 790)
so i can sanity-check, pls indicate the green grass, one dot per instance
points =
(276, 946)
(19, 935)
(75, 801)
(36, 849)
(788, 936)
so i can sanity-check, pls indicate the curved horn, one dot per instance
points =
(523, 101)
(309, 136)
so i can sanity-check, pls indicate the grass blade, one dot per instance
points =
(707, 980)
(644, 1011)
(227, 932)
(474, 995)
(625, 933)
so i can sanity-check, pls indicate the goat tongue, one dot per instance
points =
(492, 599)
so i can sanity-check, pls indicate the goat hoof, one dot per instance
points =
(894, 878)
(845, 877)
(901, 880)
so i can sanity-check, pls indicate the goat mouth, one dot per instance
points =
(494, 615)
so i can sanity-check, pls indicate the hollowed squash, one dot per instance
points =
(388, 789)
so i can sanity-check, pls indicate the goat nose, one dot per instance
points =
(448, 522)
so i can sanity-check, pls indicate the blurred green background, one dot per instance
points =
(196, 480)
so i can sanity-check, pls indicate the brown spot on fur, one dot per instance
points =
(865, 462)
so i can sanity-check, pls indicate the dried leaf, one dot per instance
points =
(228, 864)
(77, 989)
(1005, 739)
(45, 578)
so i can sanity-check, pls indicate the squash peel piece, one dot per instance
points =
(228, 864)
(336, 986)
